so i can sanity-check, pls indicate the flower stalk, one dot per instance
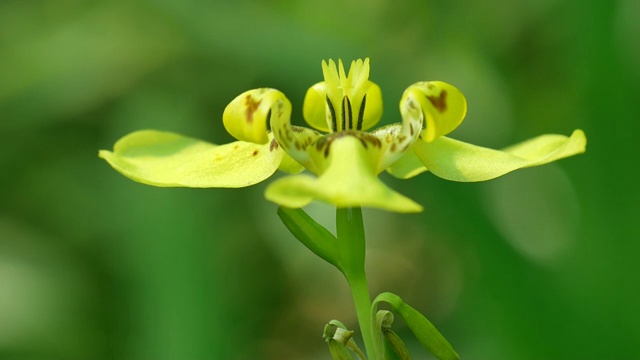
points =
(362, 302)
(352, 251)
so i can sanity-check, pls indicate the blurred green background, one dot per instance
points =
(540, 264)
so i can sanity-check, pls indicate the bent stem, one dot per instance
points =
(351, 247)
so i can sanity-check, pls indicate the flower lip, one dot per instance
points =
(323, 144)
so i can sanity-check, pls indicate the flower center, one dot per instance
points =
(346, 120)
(323, 144)
(343, 101)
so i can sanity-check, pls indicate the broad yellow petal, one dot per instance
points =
(171, 160)
(459, 161)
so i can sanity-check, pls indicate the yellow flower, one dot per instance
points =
(342, 155)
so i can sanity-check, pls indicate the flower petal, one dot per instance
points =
(443, 105)
(289, 165)
(397, 139)
(407, 166)
(171, 160)
(418, 104)
(372, 103)
(349, 179)
(458, 161)
(246, 116)
(295, 140)
(314, 109)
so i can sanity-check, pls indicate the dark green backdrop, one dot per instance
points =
(540, 264)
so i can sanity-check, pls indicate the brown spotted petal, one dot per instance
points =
(397, 139)
(443, 106)
(246, 116)
(440, 107)
(295, 140)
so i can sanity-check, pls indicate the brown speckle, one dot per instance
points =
(440, 103)
(376, 142)
(283, 138)
(255, 153)
(273, 145)
(393, 147)
(251, 107)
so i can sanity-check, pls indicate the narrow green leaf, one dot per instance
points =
(339, 351)
(311, 234)
(384, 319)
(423, 329)
(398, 345)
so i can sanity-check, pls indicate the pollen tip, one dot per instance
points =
(342, 73)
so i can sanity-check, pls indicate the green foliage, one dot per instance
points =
(427, 334)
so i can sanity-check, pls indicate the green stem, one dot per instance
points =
(362, 301)
(352, 250)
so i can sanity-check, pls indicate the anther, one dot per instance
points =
(332, 112)
(361, 113)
